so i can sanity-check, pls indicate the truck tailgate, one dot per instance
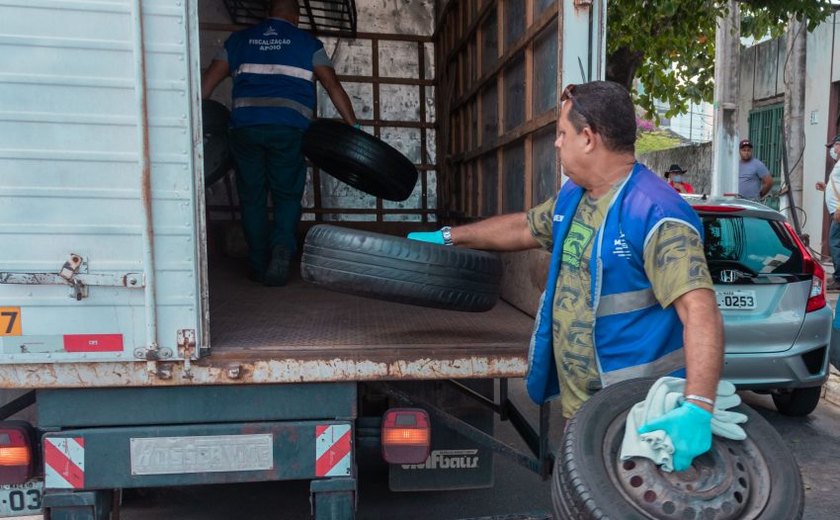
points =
(301, 333)
(359, 338)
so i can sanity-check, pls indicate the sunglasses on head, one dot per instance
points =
(568, 95)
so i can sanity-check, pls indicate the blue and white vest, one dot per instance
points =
(273, 74)
(633, 335)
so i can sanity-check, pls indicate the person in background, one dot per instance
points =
(676, 179)
(274, 67)
(754, 179)
(832, 201)
(627, 250)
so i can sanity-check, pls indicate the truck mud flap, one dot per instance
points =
(455, 461)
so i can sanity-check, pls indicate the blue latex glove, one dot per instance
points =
(433, 237)
(690, 430)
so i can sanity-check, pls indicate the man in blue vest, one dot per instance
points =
(274, 67)
(628, 293)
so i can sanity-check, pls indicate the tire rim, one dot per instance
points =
(731, 481)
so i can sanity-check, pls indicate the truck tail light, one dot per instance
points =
(16, 454)
(406, 436)
(816, 300)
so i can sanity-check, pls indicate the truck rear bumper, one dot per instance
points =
(151, 456)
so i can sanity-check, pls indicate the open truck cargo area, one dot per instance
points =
(130, 338)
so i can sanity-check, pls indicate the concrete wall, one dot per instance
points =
(822, 54)
(695, 158)
(762, 82)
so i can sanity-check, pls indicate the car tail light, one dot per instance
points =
(816, 300)
(406, 436)
(16, 460)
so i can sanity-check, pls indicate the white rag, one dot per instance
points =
(665, 395)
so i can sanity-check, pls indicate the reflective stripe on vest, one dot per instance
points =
(665, 365)
(621, 303)
(273, 102)
(266, 68)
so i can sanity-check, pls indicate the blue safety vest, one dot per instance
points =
(273, 74)
(633, 335)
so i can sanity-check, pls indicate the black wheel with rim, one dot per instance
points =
(359, 159)
(752, 479)
(396, 269)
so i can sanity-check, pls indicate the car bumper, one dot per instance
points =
(798, 367)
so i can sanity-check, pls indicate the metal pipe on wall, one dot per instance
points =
(141, 90)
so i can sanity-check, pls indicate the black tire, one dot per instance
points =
(798, 402)
(764, 474)
(217, 157)
(360, 160)
(392, 268)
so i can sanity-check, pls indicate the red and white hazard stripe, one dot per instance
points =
(333, 456)
(64, 462)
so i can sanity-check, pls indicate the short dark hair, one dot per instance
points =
(605, 106)
(288, 7)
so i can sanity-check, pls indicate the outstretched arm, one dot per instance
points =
(326, 75)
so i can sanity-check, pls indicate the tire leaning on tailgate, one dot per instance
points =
(396, 269)
(217, 156)
(359, 159)
(751, 479)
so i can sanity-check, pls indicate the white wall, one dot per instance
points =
(821, 45)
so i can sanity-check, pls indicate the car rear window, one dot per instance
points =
(747, 243)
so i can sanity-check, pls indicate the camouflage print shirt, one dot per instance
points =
(674, 263)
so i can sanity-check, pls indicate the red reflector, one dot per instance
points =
(406, 436)
(816, 300)
(717, 209)
(16, 461)
(93, 342)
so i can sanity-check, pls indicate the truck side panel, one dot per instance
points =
(71, 183)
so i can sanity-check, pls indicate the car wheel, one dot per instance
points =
(754, 478)
(359, 159)
(217, 157)
(400, 270)
(798, 402)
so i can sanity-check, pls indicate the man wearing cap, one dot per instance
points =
(832, 200)
(676, 179)
(754, 179)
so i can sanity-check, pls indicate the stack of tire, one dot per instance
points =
(382, 266)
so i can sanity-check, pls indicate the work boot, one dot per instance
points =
(277, 273)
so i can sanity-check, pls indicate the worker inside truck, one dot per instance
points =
(274, 66)
(627, 250)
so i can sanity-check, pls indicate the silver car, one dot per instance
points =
(771, 293)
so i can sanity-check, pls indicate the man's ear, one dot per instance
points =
(590, 139)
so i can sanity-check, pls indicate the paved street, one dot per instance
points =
(813, 441)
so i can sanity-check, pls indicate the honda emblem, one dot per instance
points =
(729, 276)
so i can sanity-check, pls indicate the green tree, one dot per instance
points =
(669, 45)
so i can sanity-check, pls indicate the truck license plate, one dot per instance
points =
(21, 499)
(734, 299)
